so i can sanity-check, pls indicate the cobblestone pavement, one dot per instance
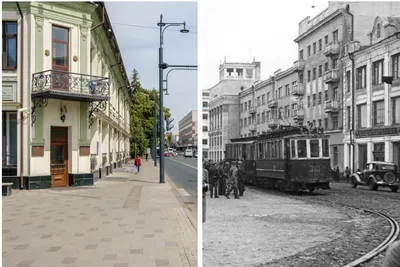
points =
(260, 228)
(124, 220)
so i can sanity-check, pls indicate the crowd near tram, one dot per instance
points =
(289, 158)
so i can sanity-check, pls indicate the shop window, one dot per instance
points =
(9, 138)
(335, 156)
(379, 152)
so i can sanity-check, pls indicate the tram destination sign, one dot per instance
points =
(378, 132)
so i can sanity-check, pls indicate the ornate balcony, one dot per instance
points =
(353, 46)
(273, 123)
(298, 114)
(331, 76)
(331, 106)
(273, 103)
(57, 84)
(70, 86)
(332, 49)
(252, 110)
(298, 90)
(252, 127)
(298, 65)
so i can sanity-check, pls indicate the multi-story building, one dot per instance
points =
(206, 99)
(269, 104)
(188, 130)
(376, 104)
(65, 95)
(321, 43)
(224, 104)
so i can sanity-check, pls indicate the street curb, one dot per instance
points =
(192, 220)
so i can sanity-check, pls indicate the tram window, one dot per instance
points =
(325, 148)
(314, 148)
(301, 148)
(280, 149)
(260, 150)
(293, 149)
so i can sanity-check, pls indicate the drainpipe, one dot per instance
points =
(19, 115)
(351, 56)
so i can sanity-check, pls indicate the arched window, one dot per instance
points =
(378, 30)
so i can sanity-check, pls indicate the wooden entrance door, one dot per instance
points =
(59, 156)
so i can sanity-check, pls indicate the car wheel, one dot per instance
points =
(394, 188)
(372, 185)
(353, 182)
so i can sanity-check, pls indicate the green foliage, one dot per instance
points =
(142, 114)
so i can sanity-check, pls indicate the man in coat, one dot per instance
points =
(233, 181)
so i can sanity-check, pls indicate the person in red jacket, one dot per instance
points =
(138, 164)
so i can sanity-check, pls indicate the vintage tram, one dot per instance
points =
(292, 158)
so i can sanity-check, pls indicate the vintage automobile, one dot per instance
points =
(378, 174)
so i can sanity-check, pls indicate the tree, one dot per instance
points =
(142, 114)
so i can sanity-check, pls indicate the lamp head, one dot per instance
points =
(184, 30)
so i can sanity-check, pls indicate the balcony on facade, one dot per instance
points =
(252, 110)
(331, 106)
(298, 65)
(273, 103)
(298, 114)
(298, 90)
(332, 49)
(57, 84)
(331, 76)
(273, 123)
(252, 127)
(353, 46)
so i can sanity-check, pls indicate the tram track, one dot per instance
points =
(367, 258)
(393, 235)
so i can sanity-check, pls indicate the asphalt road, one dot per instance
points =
(183, 173)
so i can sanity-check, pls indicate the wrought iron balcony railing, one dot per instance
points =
(252, 127)
(59, 84)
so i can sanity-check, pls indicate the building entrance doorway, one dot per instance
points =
(59, 156)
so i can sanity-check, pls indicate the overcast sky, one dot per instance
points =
(139, 48)
(241, 30)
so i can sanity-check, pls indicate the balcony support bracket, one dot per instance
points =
(38, 102)
(94, 107)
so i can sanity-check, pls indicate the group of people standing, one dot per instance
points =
(225, 177)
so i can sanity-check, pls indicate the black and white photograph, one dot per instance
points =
(301, 133)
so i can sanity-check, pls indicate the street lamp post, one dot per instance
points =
(161, 67)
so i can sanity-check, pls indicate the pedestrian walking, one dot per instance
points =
(347, 174)
(138, 163)
(147, 154)
(213, 180)
(337, 174)
(233, 181)
(241, 178)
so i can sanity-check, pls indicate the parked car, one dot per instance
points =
(377, 174)
(167, 154)
(188, 153)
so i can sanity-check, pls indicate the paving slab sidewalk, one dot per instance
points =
(124, 220)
